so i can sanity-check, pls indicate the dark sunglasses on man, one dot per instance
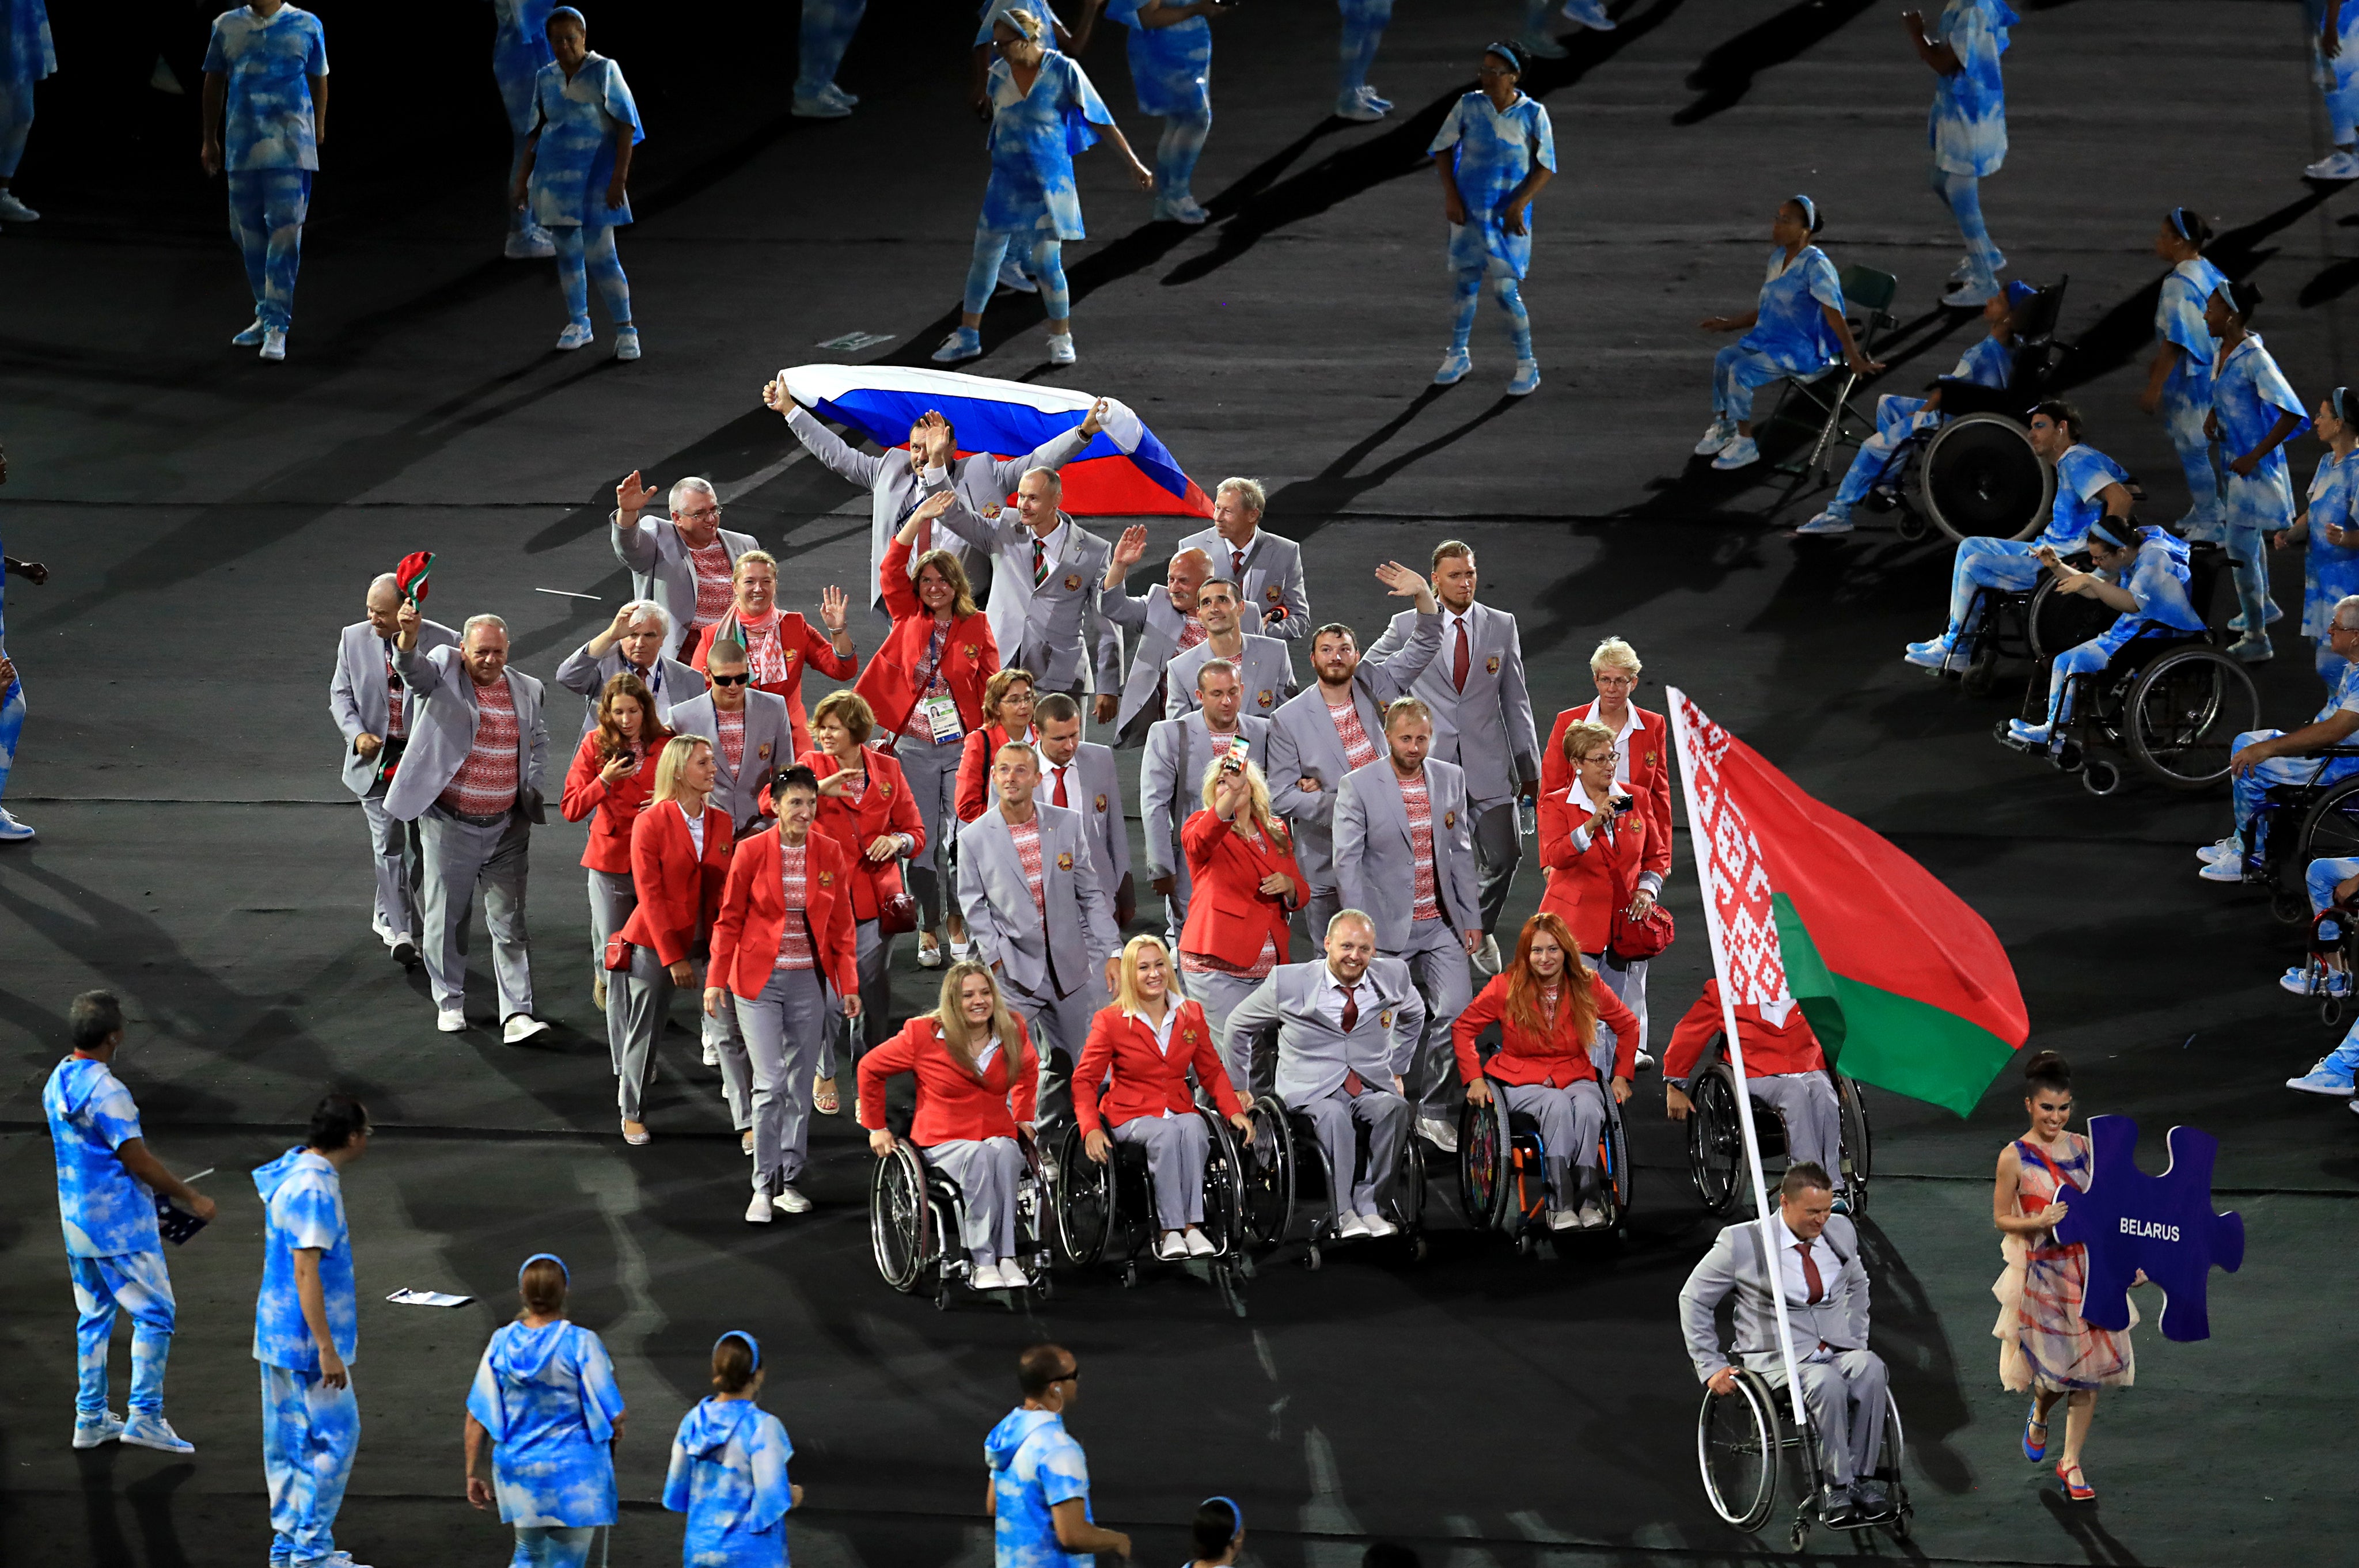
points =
(738, 679)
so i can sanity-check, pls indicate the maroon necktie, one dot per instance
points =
(1060, 787)
(1811, 1273)
(1238, 557)
(1458, 660)
(1352, 1081)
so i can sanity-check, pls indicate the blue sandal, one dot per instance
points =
(2030, 1452)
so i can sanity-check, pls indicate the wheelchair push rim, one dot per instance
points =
(1995, 486)
(1739, 1447)
(1857, 1155)
(1715, 1144)
(1265, 1177)
(2184, 714)
(1084, 1196)
(901, 1219)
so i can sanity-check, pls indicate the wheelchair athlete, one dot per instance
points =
(1547, 1004)
(2149, 582)
(978, 1081)
(2089, 484)
(1784, 1070)
(1825, 1287)
(1140, 1051)
(2263, 758)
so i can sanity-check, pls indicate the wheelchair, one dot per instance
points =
(1717, 1137)
(1746, 1443)
(1285, 1169)
(915, 1224)
(1105, 1213)
(2299, 823)
(2031, 625)
(1503, 1171)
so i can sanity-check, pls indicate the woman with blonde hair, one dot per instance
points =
(680, 860)
(978, 1082)
(1241, 864)
(1594, 843)
(610, 782)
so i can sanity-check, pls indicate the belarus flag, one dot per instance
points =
(1902, 982)
(1124, 471)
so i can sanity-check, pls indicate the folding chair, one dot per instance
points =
(1838, 424)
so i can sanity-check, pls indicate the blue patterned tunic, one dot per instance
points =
(1495, 152)
(1170, 68)
(2179, 319)
(305, 1209)
(1968, 124)
(546, 1397)
(2082, 473)
(574, 161)
(729, 1476)
(2330, 572)
(1034, 1464)
(103, 1209)
(520, 49)
(1034, 136)
(1791, 328)
(268, 63)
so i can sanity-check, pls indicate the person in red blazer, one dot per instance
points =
(977, 1085)
(782, 938)
(609, 783)
(1007, 716)
(1548, 1005)
(1642, 744)
(779, 644)
(680, 858)
(864, 805)
(1595, 855)
(1241, 862)
(1149, 1041)
(1785, 1071)
(925, 687)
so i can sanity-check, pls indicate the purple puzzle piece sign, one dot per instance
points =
(2163, 1224)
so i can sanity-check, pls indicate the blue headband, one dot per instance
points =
(2334, 400)
(1809, 210)
(2120, 533)
(545, 1256)
(1508, 52)
(580, 20)
(2180, 220)
(750, 1344)
(1235, 1512)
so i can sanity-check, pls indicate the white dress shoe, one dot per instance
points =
(1438, 1133)
(1350, 1226)
(791, 1201)
(521, 1027)
(931, 957)
(757, 1211)
(450, 1020)
(1170, 1246)
(1377, 1224)
(1198, 1244)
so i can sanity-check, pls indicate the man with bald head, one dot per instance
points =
(1164, 619)
(636, 642)
(370, 704)
(1046, 574)
(682, 562)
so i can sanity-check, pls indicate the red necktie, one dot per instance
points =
(1238, 558)
(1060, 787)
(1353, 1084)
(1458, 660)
(1811, 1273)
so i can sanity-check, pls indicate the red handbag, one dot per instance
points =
(1634, 941)
(618, 952)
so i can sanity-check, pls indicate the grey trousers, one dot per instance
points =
(638, 1001)
(1629, 986)
(988, 1172)
(1175, 1149)
(1325, 904)
(1057, 1023)
(1570, 1121)
(932, 772)
(1806, 1103)
(1386, 1116)
(1219, 995)
(613, 896)
(462, 860)
(784, 1028)
(1438, 968)
(1844, 1395)
(873, 952)
(394, 853)
(1498, 850)
(1175, 905)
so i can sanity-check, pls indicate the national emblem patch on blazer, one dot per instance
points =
(827, 879)
(1073, 582)
(1450, 819)
(788, 657)
(1274, 593)
(1263, 696)
(1188, 1036)
(1065, 862)
(1653, 759)
(1383, 1021)
(762, 753)
(884, 788)
(1491, 665)
(1102, 802)
(973, 652)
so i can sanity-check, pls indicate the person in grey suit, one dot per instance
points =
(1403, 853)
(634, 642)
(1164, 619)
(1346, 1025)
(471, 779)
(1338, 725)
(686, 562)
(1482, 720)
(763, 740)
(1266, 569)
(372, 706)
(1264, 664)
(1079, 775)
(1171, 779)
(1049, 943)
(1047, 572)
(901, 478)
(1826, 1286)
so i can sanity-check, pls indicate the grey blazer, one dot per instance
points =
(1266, 668)
(896, 487)
(1733, 1264)
(1171, 780)
(1058, 623)
(1009, 930)
(1486, 728)
(769, 746)
(670, 682)
(443, 731)
(660, 570)
(358, 699)
(1375, 869)
(1273, 578)
(1158, 625)
(1303, 743)
(1313, 1056)
(1093, 790)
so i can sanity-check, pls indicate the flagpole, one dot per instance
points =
(1698, 846)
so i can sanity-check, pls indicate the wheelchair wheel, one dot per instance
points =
(1618, 1178)
(1082, 1194)
(2184, 714)
(1715, 1144)
(1267, 1177)
(1979, 478)
(1858, 1145)
(2053, 621)
(1737, 1444)
(901, 1219)
(1223, 1176)
(1409, 1197)
(2329, 831)
(1485, 1156)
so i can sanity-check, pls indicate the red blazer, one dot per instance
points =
(753, 914)
(887, 808)
(615, 808)
(970, 655)
(1770, 1049)
(1228, 914)
(1650, 775)
(678, 891)
(800, 641)
(952, 1104)
(974, 796)
(1586, 886)
(1146, 1081)
(1561, 1058)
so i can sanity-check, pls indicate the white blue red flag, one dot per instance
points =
(1124, 471)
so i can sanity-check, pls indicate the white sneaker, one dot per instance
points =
(2223, 870)
(2252, 648)
(1716, 435)
(1540, 45)
(450, 1020)
(1592, 1216)
(1739, 453)
(791, 1201)
(849, 99)
(1641, 1061)
(711, 1055)
(964, 343)
(144, 1431)
(1061, 349)
(342, 1560)
(13, 831)
(575, 336)
(2333, 165)
(1454, 366)
(1527, 379)
(758, 1211)
(1170, 1246)
(1377, 1225)
(626, 342)
(1589, 13)
(1010, 1276)
(1355, 107)
(1438, 1133)
(1199, 1245)
(249, 338)
(531, 243)
(274, 343)
(1827, 522)
(1375, 100)
(1563, 1219)
(521, 1027)
(2319, 1080)
(2228, 848)
(822, 107)
(97, 1434)
(1350, 1226)
(2024, 734)
(1182, 210)
(14, 211)
(1971, 295)
(1013, 275)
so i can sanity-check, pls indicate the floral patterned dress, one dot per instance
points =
(2043, 1343)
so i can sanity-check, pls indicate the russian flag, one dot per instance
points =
(1124, 471)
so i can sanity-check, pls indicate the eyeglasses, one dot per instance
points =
(701, 514)
(1602, 757)
(1072, 1377)
(740, 678)
(1604, 679)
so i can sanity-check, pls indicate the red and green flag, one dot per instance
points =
(1905, 985)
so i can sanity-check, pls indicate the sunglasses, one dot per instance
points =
(738, 679)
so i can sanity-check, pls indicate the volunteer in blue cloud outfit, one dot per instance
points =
(1039, 1477)
(2142, 572)
(108, 1184)
(307, 1334)
(2333, 29)
(2254, 413)
(1363, 25)
(28, 56)
(1171, 69)
(545, 1395)
(576, 177)
(826, 30)
(2089, 484)
(266, 117)
(1796, 327)
(520, 49)
(728, 1471)
(2262, 758)
(2178, 381)
(1967, 128)
(2330, 563)
(1494, 152)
